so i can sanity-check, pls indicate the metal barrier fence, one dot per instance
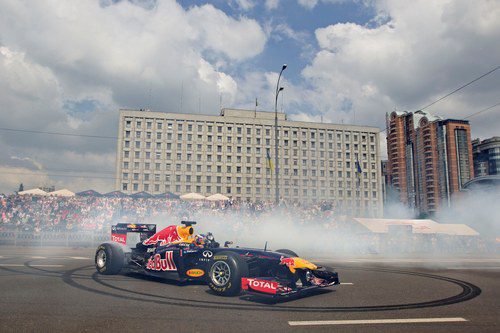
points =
(69, 239)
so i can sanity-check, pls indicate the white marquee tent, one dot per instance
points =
(192, 196)
(217, 197)
(33, 191)
(417, 226)
(62, 193)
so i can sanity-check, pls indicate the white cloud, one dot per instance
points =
(245, 4)
(272, 4)
(309, 4)
(424, 50)
(223, 34)
(55, 54)
(11, 177)
(285, 30)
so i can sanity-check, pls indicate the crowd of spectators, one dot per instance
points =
(54, 213)
(313, 223)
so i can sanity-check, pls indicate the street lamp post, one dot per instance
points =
(276, 160)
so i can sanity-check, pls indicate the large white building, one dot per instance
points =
(171, 152)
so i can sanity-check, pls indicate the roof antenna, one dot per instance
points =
(199, 100)
(182, 93)
(282, 100)
(150, 94)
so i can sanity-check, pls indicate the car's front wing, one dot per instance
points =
(274, 288)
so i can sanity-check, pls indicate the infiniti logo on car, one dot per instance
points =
(207, 254)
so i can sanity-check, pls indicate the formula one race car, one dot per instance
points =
(175, 253)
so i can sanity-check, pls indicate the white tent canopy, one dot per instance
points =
(417, 226)
(33, 191)
(192, 196)
(217, 197)
(62, 193)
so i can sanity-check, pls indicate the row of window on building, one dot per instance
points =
(258, 190)
(248, 180)
(189, 156)
(257, 170)
(308, 144)
(211, 127)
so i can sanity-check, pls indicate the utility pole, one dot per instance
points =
(276, 160)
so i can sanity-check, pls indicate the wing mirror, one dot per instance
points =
(227, 243)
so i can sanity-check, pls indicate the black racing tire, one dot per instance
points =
(287, 252)
(225, 273)
(109, 259)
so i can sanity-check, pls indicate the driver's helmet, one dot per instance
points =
(199, 239)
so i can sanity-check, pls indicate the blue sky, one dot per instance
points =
(296, 53)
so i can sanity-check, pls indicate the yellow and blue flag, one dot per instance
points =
(269, 162)
(358, 172)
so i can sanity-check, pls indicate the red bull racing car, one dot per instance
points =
(176, 253)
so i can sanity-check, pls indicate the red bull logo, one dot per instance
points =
(158, 264)
(294, 263)
(166, 236)
(289, 262)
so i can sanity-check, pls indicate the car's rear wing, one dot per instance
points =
(119, 231)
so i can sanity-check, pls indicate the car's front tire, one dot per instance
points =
(287, 252)
(226, 271)
(109, 259)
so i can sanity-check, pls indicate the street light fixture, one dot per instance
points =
(276, 160)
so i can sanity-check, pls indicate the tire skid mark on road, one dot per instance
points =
(39, 271)
(469, 291)
(23, 265)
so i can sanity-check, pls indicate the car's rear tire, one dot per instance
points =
(287, 252)
(225, 273)
(109, 259)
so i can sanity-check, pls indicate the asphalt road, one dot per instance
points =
(58, 290)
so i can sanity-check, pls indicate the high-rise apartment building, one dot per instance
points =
(429, 158)
(229, 154)
(486, 156)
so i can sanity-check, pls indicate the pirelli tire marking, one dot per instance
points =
(220, 289)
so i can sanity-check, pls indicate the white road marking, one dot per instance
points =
(413, 260)
(376, 321)
(46, 265)
(80, 258)
(60, 258)
(474, 268)
(22, 265)
(48, 257)
(347, 283)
